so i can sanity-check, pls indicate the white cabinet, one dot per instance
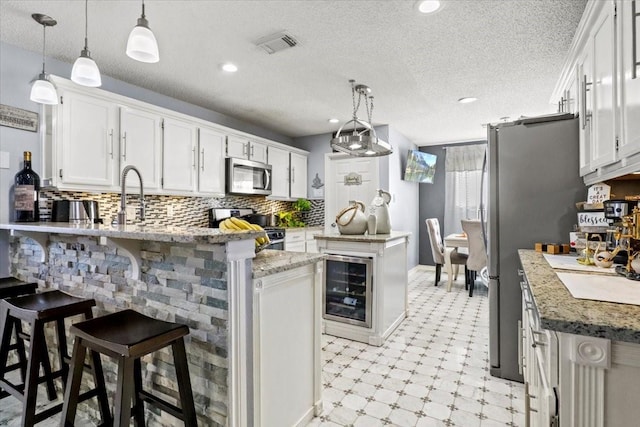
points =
(311, 244)
(86, 143)
(279, 161)
(298, 168)
(603, 88)
(294, 240)
(179, 156)
(244, 148)
(629, 66)
(584, 69)
(287, 353)
(211, 178)
(140, 144)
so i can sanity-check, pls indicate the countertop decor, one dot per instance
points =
(561, 312)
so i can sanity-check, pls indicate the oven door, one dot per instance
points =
(276, 244)
(247, 177)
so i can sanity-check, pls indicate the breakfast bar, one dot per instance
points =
(205, 278)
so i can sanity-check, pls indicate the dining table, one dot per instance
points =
(452, 242)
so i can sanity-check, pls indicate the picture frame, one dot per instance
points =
(18, 118)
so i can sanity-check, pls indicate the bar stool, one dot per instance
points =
(10, 288)
(37, 310)
(127, 336)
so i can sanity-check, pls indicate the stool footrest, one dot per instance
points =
(17, 390)
(162, 404)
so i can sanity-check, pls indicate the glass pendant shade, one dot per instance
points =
(43, 91)
(142, 45)
(85, 72)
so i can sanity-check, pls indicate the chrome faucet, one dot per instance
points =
(122, 215)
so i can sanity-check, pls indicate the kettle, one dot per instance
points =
(380, 208)
(352, 220)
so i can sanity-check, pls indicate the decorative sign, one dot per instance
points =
(598, 193)
(353, 179)
(18, 118)
(592, 219)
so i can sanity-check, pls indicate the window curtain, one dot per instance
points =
(463, 176)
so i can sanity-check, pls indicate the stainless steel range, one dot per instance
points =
(275, 234)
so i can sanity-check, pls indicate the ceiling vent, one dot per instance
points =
(277, 42)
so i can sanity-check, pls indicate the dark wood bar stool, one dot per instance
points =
(127, 336)
(37, 310)
(10, 288)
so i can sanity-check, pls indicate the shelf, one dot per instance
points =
(345, 293)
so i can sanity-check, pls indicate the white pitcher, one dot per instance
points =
(380, 208)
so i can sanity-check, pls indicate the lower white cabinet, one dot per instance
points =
(311, 244)
(295, 240)
(576, 380)
(286, 347)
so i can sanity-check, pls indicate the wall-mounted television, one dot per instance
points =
(421, 167)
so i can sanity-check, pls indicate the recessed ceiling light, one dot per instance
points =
(333, 120)
(428, 6)
(229, 67)
(467, 100)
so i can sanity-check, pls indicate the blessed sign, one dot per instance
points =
(592, 219)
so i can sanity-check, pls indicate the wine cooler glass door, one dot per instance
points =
(347, 289)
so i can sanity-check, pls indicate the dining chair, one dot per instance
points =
(437, 249)
(477, 259)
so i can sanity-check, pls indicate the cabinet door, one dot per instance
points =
(211, 155)
(629, 61)
(298, 176)
(279, 161)
(257, 152)
(179, 156)
(584, 69)
(604, 101)
(88, 133)
(237, 147)
(140, 146)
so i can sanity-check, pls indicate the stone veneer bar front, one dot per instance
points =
(191, 276)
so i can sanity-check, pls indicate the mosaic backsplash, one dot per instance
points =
(187, 211)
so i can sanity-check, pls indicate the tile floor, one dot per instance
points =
(432, 371)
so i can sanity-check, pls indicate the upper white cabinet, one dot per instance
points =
(87, 143)
(629, 66)
(604, 64)
(141, 144)
(244, 148)
(179, 156)
(603, 88)
(279, 161)
(298, 167)
(211, 178)
(90, 137)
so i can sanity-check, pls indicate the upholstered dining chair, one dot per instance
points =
(437, 249)
(477, 251)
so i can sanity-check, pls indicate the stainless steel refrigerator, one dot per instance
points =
(533, 185)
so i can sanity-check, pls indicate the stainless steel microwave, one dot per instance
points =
(248, 177)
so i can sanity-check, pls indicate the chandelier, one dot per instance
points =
(362, 140)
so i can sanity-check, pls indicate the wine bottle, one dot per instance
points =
(26, 193)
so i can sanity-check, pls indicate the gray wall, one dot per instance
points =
(18, 67)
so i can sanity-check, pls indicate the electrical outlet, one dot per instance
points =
(169, 211)
(131, 212)
(4, 160)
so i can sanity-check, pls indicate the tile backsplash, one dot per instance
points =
(187, 211)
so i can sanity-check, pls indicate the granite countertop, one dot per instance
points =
(375, 238)
(560, 311)
(136, 232)
(271, 261)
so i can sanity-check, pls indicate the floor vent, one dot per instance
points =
(277, 42)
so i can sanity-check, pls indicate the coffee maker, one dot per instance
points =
(624, 236)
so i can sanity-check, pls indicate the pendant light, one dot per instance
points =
(142, 45)
(360, 142)
(42, 90)
(85, 72)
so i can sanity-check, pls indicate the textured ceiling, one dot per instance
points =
(507, 53)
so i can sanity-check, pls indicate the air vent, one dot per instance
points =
(277, 42)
